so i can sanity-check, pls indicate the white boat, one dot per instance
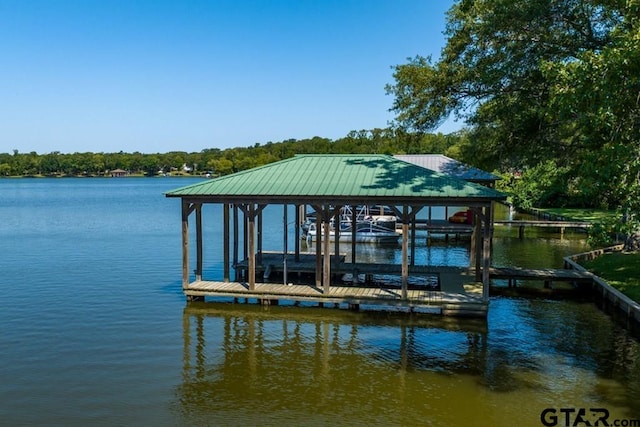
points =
(366, 232)
(378, 215)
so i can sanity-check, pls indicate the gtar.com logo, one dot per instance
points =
(585, 417)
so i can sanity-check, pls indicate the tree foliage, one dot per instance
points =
(597, 100)
(222, 162)
(550, 89)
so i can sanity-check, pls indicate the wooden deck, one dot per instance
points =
(560, 274)
(454, 291)
(544, 223)
(467, 301)
(445, 227)
(441, 226)
(547, 275)
(560, 225)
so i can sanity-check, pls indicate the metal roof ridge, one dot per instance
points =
(340, 155)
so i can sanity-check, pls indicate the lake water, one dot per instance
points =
(95, 331)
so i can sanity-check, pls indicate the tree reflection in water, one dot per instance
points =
(248, 364)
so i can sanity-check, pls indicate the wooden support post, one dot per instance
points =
(319, 213)
(285, 243)
(413, 241)
(198, 241)
(476, 247)
(225, 241)
(405, 251)
(354, 218)
(326, 268)
(302, 214)
(521, 232)
(251, 247)
(472, 247)
(297, 233)
(185, 244)
(245, 240)
(236, 232)
(259, 235)
(336, 237)
(428, 242)
(486, 251)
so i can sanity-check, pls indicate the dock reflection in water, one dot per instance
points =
(279, 364)
(247, 364)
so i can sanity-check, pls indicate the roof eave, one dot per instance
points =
(346, 199)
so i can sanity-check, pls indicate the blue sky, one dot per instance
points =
(158, 76)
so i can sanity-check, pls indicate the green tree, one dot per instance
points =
(5, 169)
(537, 81)
(50, 163)
(221, 166)
(597, 100)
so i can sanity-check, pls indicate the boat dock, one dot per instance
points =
(546, 275)
(446, 227)
(275, 262)
(456, 299)
(441, 226)
(561, 225)
(450, 290)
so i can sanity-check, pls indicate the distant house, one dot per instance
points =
(118, 173)
(451, 167)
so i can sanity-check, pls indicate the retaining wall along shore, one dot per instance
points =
(611, 298)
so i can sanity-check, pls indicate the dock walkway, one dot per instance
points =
(456, 293)
(547, 275)
(453, 302)
(561, 225)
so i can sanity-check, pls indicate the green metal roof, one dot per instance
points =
(337, 176)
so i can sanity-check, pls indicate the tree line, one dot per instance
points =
(218, 162)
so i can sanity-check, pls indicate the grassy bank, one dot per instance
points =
(620, 270)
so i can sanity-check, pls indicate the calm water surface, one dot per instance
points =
(95, 330)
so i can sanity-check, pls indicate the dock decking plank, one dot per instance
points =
(451, 296)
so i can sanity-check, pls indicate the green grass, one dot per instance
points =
(621, 270)
(576, 214)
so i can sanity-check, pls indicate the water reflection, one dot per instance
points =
(245, 364)
(308, 360)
